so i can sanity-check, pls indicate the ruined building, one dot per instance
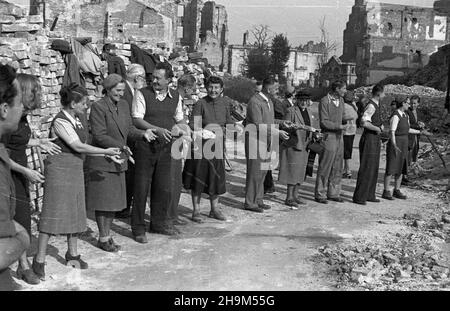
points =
(392, 40)
(201, 26)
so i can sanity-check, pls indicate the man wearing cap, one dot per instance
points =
(160, 108)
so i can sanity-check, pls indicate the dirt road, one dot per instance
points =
(270, 251)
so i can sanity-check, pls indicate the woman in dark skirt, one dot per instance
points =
(205, 173)
(397, 150)
(64, 208)
(17, 144)
(111, 126)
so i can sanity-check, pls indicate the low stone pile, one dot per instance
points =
(403, 261)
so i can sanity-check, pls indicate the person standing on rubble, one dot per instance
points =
(413, 140)
(397, 149)
(369, 150)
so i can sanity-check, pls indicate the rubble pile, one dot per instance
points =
(25, 45)
(429, 173)
(431, 110)
(437, 225)
(393, 262)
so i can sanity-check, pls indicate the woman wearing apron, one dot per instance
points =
(397, 150)
(64, 208)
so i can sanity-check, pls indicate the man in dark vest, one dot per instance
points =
(160, 108)
(369, 150)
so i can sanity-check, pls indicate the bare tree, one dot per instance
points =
(262, 36)
(328, 46)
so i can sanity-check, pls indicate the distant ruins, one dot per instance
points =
(392, 40)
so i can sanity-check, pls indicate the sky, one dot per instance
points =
(298, 19)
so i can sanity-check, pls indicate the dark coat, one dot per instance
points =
(414, 124)
(128, 96)
(111, 129)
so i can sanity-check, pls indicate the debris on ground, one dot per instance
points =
(429, 173)
(393, 262)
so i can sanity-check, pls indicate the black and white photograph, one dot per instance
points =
(210, 148)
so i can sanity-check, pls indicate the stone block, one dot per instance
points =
(11, 41)
(19, 55)
(45, 60)
(6, 52)
(19, 47)
(18, 27)
(7, 19)
(26, 63)
(7, 8)
(35, 19)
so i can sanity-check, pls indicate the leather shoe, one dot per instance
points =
(374, 200)
(270, 190)
(338, 199)
(291, 203)
(179, 222)
(166, 231)
(321, 201)
(254, 209)
(300, 201)
(28, 276)
(399, 195)
(360, 203)
(216, 214)
(387, 195)
(264, 206)
(142, 239)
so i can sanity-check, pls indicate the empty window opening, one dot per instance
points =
(389, 25)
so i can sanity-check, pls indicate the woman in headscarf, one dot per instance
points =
(111, 126)
(293, 153)
(64, 207)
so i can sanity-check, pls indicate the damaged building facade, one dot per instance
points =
(198, 25)
(391, 40)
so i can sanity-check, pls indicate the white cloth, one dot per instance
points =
(350, 110)
(291, 102)
(335, 101)
(369, 111)
(265, 98)
(138, 107)
(66, 129)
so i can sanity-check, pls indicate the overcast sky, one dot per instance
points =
(298, 19)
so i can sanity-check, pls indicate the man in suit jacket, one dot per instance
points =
(259, 144)
(135, 81)
(329, 173)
